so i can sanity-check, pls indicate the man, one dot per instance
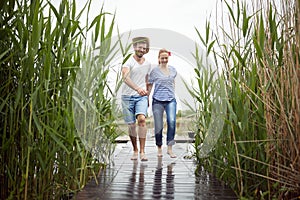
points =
(134, 95)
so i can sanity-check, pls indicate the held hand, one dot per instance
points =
(142, 92)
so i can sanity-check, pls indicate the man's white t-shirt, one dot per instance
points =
(138, 74)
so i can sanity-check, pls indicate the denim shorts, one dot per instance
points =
(133, 106)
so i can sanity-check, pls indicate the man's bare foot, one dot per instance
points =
(143, 157)
(134, 156)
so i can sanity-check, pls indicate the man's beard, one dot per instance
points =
(140, 55)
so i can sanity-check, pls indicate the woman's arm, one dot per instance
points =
(148, 85)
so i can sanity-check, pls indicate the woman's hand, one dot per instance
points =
(142, 92)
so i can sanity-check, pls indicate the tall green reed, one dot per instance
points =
(257, 152)
(42, 49)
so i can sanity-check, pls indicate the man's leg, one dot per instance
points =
(142, 132)
(133, 138)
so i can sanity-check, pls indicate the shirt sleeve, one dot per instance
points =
(151, 76)
(128, 63)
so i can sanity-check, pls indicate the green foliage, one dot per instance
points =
(42, 53)
(250, 152)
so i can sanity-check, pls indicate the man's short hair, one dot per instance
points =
(143, 40)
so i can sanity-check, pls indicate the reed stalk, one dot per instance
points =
(41, 56)
(257, 151)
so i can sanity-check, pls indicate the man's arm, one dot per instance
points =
(130, 83)
(127, 79)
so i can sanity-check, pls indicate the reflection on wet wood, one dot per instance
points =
(158, 178)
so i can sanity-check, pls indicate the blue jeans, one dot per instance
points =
(158, 108)
(133, 106)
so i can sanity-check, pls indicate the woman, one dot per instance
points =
(163, 78)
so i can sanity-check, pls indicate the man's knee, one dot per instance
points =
(141, 120)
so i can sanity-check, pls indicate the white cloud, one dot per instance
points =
(176, 15)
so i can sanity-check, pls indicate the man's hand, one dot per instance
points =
(142, 92)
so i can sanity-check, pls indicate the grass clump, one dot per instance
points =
(256, 55)
(43, 55)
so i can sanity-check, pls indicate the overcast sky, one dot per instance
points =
(177, 15)
(180, 16)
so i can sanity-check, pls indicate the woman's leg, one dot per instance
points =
(171, 125)
(158, 110)
(171, 121)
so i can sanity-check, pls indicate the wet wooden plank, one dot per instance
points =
(157, 178)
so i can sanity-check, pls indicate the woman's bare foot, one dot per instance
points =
(159, 152)
(170, 152)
